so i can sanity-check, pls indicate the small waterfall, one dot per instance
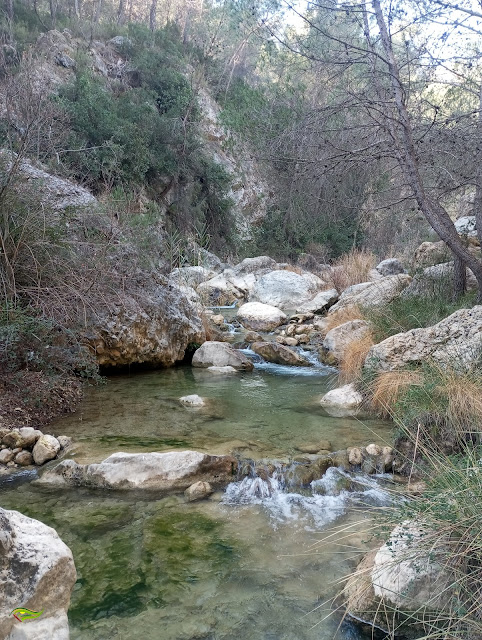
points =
(271, 486)
(316, 368)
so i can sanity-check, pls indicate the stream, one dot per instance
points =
(243, 565)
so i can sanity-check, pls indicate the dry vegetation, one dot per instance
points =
(340, 316)
(387, 388)
(352, 268)
(353, 359)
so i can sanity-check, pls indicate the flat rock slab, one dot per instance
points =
(165, 472)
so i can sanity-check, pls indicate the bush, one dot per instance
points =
(30, 342)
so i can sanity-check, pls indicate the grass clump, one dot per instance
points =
(388, 387)
(450, 513)
(354, 356)
(340, 316)
(445, 405)
(404, 314)
(352, 268)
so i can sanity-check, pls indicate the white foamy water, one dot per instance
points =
(316, 368)
(326, 499)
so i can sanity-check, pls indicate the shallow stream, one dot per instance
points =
(239, 566)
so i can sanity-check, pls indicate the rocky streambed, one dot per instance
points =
(239, 563)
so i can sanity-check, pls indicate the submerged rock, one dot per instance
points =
(221, 370)
(36, 572)
(164, 472)
(252, 336)
(314, 447)
(198, 491)
(192, 401)
(279, 354)
(220, 354)
(260, 317)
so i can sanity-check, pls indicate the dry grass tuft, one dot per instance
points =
(354, 358)
(352, 268)
(339, 317)
(294, 269)
(388, 387)
(463, 392)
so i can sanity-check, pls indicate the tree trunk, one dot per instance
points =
(121, 12)
(478, 175)
(435, 214)
(53, 12)
(9, 14)
(460, 278)
(152, 15)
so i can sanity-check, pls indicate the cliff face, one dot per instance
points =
(55, 55)
(250, 191)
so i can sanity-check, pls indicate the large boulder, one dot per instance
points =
(37, 572)
(337, 340)
(437, 279)
(466, 226)
(191, 276)
(403, 576)
(279, 354)
(342, 402)
(161, 472)
(260, 264)
(220, 354)
(320, 303)
(154, 327)
(51, 191)
(455, 341)
(430, 253)
(373, 294)
(285, 289)
(260, 317)
(390, 267)
(219, 292)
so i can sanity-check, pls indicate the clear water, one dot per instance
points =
(239, 566)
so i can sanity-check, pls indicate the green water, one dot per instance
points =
(167, 570)
(266, 413)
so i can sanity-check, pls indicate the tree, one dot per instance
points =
(392, 74)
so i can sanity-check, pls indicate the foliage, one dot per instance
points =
(353, 358)
(449, 512)
(31, 342)
(403, 314)
(352, 268)
(443, 404)
(120, 139)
